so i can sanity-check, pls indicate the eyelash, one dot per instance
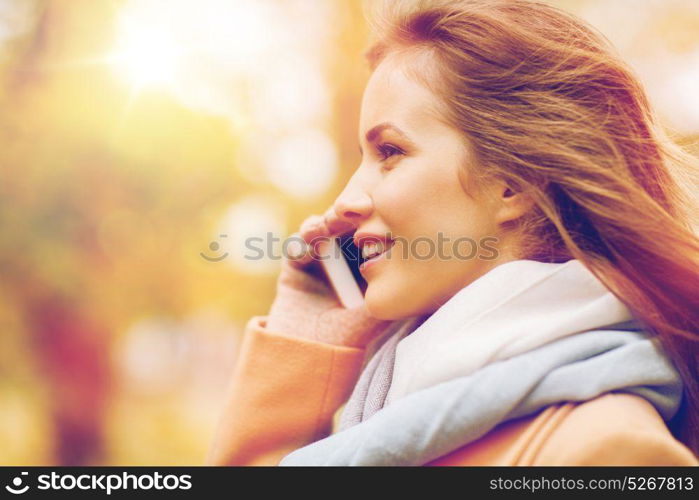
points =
(385, 147)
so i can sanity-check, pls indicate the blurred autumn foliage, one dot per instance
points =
(117, 171)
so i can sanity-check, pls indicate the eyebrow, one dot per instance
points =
(374, 132)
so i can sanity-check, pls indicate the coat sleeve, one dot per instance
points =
(614, 430)
(282, 395)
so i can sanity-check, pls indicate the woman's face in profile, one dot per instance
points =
(407, 187)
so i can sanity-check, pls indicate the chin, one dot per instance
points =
(385, 306)
(378, 304)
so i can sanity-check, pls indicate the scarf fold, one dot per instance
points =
(523, 336)
(513, 308)
(369, 394)
(432, 422)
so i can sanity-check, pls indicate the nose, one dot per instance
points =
(353, 206)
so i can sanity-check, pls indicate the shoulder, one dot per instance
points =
(612, 429)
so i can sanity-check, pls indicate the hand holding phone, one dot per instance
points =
(341, 259)
(308, 304)
(330, 242)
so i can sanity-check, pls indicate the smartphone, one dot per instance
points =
(340, 259)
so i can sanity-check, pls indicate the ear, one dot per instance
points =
(510, 203)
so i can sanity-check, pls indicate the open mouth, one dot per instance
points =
(372, 250)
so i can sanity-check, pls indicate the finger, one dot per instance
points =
(308, 278)
(299, 253)
(335, 224)
(313, 226)
(314, 232)
(297, 250)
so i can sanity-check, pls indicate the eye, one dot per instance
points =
(388, 150)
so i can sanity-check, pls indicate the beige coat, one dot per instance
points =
(285, 391)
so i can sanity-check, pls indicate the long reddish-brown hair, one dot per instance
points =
(547, 105)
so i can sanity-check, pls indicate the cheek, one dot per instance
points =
(407, 199)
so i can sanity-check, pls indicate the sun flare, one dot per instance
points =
(146, 55)
(148, 59)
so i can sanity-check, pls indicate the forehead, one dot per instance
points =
(391, 94)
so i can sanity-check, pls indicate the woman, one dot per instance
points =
(568, 338)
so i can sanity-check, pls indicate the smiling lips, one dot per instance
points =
(373, 253)
(372, 246)
(361, 238)
(372, 249)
